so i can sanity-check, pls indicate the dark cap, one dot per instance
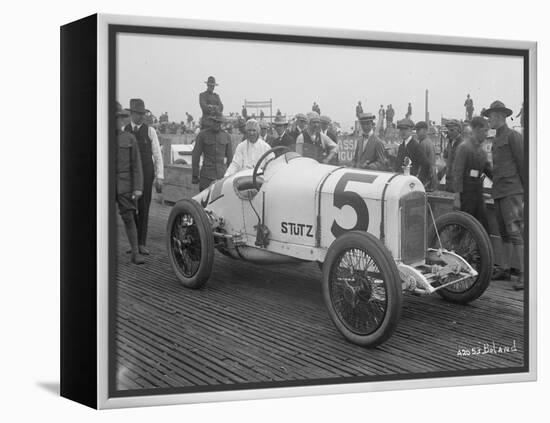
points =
(366, 117)
(421, 125)
(453, 122)
(405, 123)
(211, 80)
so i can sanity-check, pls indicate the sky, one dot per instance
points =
(169, 72)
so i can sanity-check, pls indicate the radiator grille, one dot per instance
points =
(413, 227)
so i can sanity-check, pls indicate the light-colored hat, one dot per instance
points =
(325, 119)
(280, 120)
(313, 117)
(301, 116)
(263, 125)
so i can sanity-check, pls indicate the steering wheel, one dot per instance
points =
(261, 159)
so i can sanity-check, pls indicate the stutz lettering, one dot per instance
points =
(297, 229)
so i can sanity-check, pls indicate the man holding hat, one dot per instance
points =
(249, 151)
(129, 181)
(151, 162)
(370, 152)
(283, 137)
(508, 186)
(214, 144)
(312, 143)
(454, 140)
(210, 101)
(428, 148)
(409, 147)
(470, 164)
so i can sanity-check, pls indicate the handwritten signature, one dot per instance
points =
(488, 348)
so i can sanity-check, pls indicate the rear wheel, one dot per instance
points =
(362, 288)
(463, 234)
(190, 243)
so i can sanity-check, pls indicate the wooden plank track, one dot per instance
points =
(269, 324)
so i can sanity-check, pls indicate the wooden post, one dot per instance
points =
(427, 112)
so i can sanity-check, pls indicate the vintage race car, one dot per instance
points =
(367, 230)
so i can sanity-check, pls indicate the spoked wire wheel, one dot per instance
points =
(190, 243)
(186, 246)
(362, 288)
(462, 234)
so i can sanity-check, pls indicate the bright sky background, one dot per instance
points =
(168, 73)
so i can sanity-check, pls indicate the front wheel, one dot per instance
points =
(463, 234)
(362, 288)
(190, 243)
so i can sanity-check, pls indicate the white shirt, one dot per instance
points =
(155, 147)
(325, 141)
(247, 155)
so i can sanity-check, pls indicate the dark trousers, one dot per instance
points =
(142, 218)
(472, 202)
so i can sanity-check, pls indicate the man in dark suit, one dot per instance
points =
(409, 147)
(284, 138)
(152, 165)
(370, 152)
(454, 129)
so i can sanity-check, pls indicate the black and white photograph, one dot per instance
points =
(297, 211)
(274, 212)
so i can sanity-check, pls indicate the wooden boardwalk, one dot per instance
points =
(255, 323)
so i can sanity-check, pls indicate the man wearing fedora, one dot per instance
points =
(151, 162)
(283, 137)
(409, 147)
(454, 137)
(129, 180)
(214, 144)
(369, 152)
(210, 101)
(508, 188)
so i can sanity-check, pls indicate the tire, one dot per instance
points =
(462, 233)
(365, 316)
(190, 243)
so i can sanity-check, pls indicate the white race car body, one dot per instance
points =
(306, 205)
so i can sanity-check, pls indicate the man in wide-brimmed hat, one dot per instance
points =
(369, 152)
(214, 144)
(152, 165)
(312, 143)
(409, 147)
(508, 187)
(283, 137)
(129, 180)
(210, 101)
(454, 137)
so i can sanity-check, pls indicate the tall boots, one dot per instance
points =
(131, 233)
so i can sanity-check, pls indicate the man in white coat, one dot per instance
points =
(249, 151)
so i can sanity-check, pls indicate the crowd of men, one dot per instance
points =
(139, 161)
